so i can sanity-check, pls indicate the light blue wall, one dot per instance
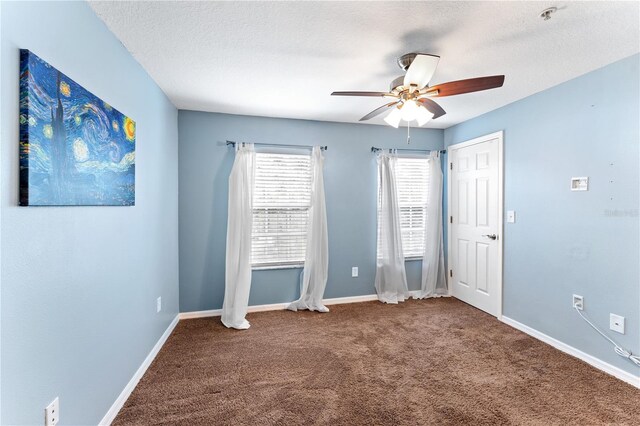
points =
(79, 284)
(350, 187)
(567, 242)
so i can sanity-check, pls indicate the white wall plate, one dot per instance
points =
(580, 183)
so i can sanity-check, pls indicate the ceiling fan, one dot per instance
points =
(412, 94)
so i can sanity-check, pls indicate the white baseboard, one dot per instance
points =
(122, 398)
(589, 359)
(282, 306)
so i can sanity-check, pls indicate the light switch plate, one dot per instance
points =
(580, 183)
(158, 304)
(511, 216)
(616, 323)
(354, 272)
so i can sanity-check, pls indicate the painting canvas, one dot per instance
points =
(75, 149)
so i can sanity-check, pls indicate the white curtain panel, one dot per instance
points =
(316, 263)
(433, 275)
(391, 277)
(239, 223)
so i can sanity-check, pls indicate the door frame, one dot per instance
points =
(500, 136)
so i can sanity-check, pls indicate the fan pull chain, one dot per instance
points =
(408, 133)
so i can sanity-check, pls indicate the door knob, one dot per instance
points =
(492, 236)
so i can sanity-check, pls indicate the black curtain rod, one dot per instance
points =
(323, 148)
(376, 149)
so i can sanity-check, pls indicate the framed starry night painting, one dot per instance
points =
(75, 149)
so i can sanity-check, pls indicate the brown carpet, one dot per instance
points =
(430, 362)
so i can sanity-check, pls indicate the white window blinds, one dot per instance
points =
(412, 181)
(282, 197)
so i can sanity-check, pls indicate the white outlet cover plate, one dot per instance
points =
(616, 323)
(354, 272)
(578, 301)
(511, 216)
(158, 304)
(52, 413)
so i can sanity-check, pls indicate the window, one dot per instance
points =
(281, 201)
(412, 181)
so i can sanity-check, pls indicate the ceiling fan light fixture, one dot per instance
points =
(393, 118)
(423, 116)
(409, 110)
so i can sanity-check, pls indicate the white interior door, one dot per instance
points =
(475, 222)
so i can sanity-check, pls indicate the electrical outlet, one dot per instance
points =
(578, 302)
(158, 304)
(354, 272)
(511, 216)
(616, 323)
(52, 413)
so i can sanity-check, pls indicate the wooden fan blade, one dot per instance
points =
(432, 107)
(466, 86)
(380, 94)
(380, 110)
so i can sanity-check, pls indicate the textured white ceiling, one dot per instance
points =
(283, 59)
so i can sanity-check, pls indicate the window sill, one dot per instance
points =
(301, 265)
(411, 259)
(273, 267)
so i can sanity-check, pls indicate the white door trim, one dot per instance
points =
(500, 136)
